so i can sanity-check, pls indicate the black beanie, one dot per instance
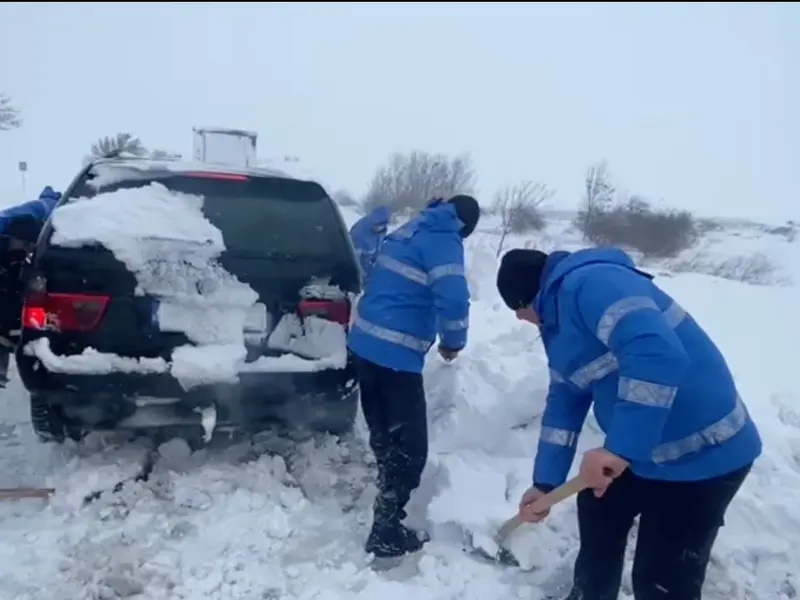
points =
(468, 212)
(519, 276)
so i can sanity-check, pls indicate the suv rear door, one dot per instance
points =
(279, 234)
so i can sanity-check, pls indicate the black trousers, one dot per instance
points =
(678, 524)
(394, 407)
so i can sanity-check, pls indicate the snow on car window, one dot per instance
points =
(164, 239)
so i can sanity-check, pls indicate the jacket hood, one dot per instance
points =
(48, 193)
(560, 264)
(378, 217)
(439, 215)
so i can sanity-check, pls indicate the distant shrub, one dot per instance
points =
(635, 223)
(755, 269)
(407, 182)
(520, 209)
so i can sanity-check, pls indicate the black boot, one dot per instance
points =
(393, 539)
(389, 537)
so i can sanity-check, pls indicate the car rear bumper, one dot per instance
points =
(318, 400)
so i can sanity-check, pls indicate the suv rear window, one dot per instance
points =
(259, 216)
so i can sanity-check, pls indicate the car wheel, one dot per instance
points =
(46, 420)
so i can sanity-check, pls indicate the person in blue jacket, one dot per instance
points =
(679, 440)
(417, 290)
(39, 209)
(19, 229)
(367, 235)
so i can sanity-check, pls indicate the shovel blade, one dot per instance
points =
(491, 551)
(503, 557)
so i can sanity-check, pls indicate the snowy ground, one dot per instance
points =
(238, 523)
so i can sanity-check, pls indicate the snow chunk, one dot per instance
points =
(320, 288)
(92, 362)
(311, 337)
(208, 418)
(197, 365)
(120, 220)
(105, 175)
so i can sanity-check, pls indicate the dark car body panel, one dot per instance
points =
(317, 399)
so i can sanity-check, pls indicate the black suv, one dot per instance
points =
(284, 237)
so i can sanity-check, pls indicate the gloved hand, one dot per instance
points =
(447, 353)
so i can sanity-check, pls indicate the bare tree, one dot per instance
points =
(409, 181)
(598, 195)
(519, 208)
(9, 115)
(122, 143)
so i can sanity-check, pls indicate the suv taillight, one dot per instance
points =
(62, 312)
(337, 311)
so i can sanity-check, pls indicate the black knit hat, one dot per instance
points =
(519, 276)
(468, 211)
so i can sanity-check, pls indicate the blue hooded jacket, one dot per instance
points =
(417, 289)
(40, 208)
(367, 235)
(661, 390)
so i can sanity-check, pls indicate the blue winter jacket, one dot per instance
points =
(661, 389)
(367, 234)
(40, 208)
(417, 289)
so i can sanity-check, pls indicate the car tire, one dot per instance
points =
(48, 424)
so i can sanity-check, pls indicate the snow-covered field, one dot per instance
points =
(238, 523)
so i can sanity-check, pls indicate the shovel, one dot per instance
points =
(25, 492)
(503, 556)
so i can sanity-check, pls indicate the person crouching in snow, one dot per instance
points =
(679, 440)
(417, 290)
(367, 234)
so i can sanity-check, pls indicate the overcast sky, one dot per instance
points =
(693, 104)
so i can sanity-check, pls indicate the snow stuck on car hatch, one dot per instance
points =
(164, 239)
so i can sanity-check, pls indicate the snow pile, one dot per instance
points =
(164, 239)
(198, 365)
(310, 337)
(320, 288)
(122, 220)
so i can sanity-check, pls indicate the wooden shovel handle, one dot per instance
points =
(546, 502)
(20, 493)
(562, 492)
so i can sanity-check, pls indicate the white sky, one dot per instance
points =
(696, 104)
